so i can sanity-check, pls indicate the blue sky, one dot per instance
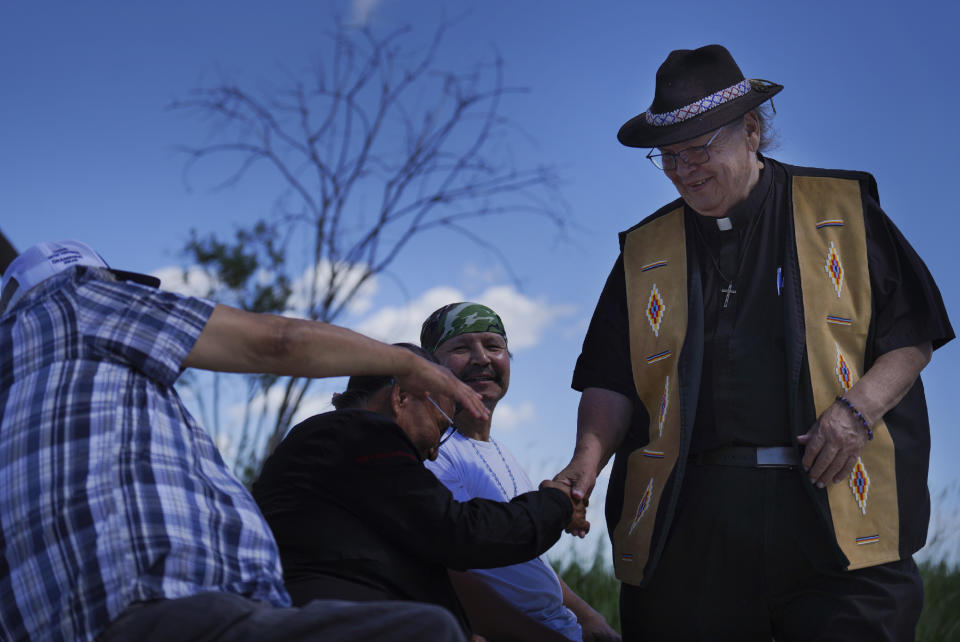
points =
(88, 146)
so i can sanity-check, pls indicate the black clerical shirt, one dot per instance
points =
(743, 390)
(743, 386)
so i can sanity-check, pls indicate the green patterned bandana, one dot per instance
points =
(458, 318)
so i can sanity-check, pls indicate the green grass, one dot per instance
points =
(940, 621)
(594, 582)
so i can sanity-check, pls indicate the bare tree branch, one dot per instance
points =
(378, 145)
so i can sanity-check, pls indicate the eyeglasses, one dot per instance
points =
(696, 155)
(451, 428)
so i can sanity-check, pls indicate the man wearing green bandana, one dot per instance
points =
(469, 338)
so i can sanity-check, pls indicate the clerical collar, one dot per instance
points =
(739, 216)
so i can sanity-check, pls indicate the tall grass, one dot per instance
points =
(940, 620)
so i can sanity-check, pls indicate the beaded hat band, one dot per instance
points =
(697, 91)
(689, 111)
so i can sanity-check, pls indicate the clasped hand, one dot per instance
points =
(578, 524)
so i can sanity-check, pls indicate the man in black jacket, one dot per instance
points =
(357, 516)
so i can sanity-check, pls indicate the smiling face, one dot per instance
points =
(481, 360)
(725, 180)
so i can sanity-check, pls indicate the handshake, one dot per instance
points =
(578, 526)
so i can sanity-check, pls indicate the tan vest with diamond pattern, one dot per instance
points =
(832, 255)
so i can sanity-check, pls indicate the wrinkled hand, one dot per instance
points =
(578, 524)
(425, 378)
(832, 444)
(596, 629)
(579, 477)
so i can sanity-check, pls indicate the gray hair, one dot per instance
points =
(768, 135)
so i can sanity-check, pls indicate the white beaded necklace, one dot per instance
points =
(490, 470)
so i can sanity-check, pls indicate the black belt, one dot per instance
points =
(749, 457)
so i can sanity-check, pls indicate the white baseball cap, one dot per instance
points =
(44, 260)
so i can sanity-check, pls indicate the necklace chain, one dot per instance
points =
(753, 225)
(496, 478)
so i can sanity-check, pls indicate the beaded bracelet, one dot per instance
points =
(854, 410)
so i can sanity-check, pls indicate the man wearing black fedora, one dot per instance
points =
(753, 363)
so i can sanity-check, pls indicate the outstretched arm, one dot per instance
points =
(237, 341)
(602, 422)
(838, 436)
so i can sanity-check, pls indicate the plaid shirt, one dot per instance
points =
(110, 493)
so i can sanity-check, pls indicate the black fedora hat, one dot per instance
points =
(698, 91)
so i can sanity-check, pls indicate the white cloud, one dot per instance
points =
(192, 281)
(362, 10)
(487, 274)
(509, 417)
(347, 277)
(525, 319)
(235, 409)
(402, 323)
(317, 401)
(195, 281)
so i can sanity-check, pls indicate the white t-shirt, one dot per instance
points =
(471, 468)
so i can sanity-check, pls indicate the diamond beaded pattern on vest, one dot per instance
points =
(655, 279)
(655, 310)
(844, 376)
(830, 224)
(860, 485)
(834, 268)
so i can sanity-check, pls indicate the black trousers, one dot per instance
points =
(224, 617)
(748, 559)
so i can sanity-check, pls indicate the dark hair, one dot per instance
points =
(361, 387)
